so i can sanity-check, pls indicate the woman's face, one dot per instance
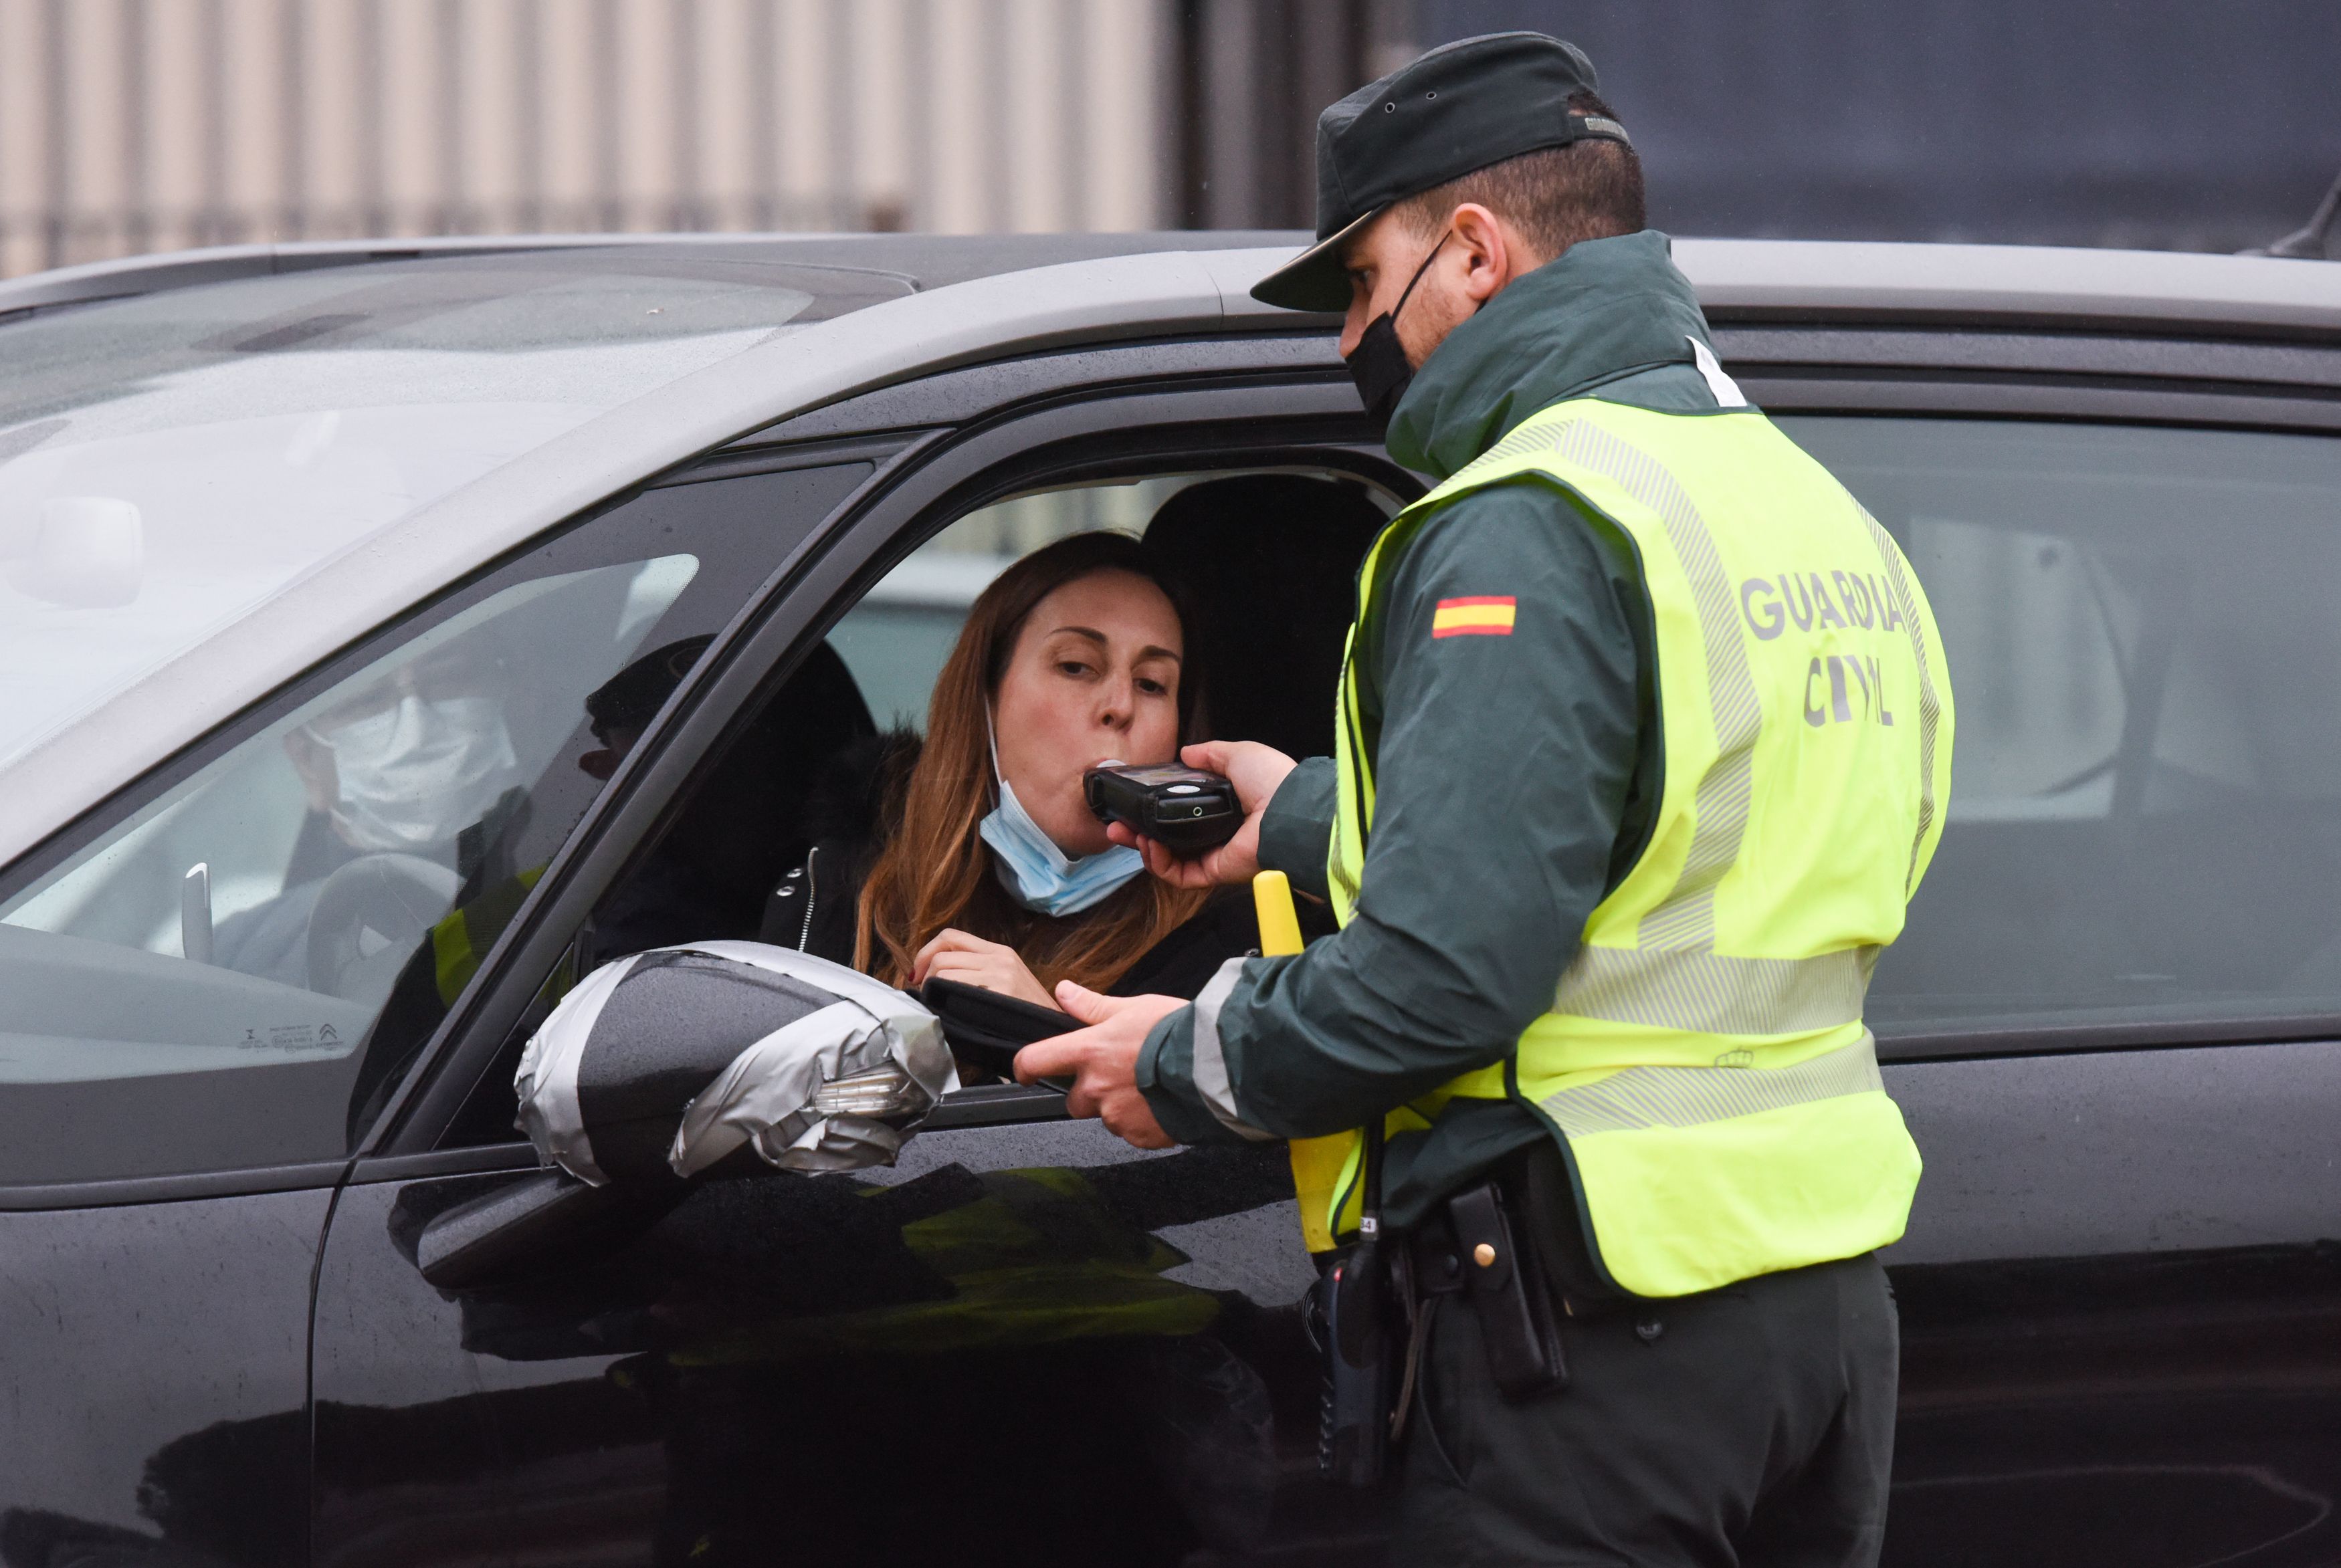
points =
(1094, 677)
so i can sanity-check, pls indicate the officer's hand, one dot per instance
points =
(1257, 772)
(1102, 1059)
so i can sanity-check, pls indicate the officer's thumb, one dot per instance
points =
(1210, 756)
(1083, 1003)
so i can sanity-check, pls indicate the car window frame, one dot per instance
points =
(2045, 373)
(1130, 425)
(517, 565)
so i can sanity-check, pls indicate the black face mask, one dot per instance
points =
(1378, 363)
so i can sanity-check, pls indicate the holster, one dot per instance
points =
(1508, 1290)
(1481, 1251)
(1509, 1247)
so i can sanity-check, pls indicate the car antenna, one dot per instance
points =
(2309, 242)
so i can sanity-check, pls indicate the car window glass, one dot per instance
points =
(257, 918)
(236, 972)
(2144, 821)
(170, 463)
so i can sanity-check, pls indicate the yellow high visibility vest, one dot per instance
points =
(463, 938)
(1704, 1066)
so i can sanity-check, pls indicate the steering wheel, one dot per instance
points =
(370, 917)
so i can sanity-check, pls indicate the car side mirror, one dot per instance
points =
(669, 1067)
(542, 1219)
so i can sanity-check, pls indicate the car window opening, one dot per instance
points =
(781, 832)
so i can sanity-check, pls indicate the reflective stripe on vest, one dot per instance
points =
(1704, 1065)
(463, 938)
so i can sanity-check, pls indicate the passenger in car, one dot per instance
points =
(973, 856)
(420, 763)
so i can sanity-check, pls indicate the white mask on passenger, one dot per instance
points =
(418, 774)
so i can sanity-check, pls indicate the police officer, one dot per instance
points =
(1644, 742)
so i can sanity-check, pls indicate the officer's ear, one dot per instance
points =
(1490, 250)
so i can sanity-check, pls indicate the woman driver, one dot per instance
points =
(993, 871)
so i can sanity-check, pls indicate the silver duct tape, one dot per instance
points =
(546, 1081)
(767, 1095)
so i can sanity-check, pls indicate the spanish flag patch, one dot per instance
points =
(1473, 617)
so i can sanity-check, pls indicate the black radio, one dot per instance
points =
(1186, 810)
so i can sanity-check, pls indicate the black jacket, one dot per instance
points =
(848, 820)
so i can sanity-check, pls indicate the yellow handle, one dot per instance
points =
(1317, 1163)
(1280, 926)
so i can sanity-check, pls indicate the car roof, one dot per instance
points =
(978, 299)
(922, 261)
(2007, 284)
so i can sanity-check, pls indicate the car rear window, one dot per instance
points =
(2144, 631)
(169, 462)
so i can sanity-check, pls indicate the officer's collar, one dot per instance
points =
(1605, 309)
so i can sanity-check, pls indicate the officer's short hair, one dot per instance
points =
(1555, 196)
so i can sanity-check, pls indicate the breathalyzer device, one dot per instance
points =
(1185, 809)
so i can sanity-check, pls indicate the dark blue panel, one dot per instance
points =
(2146, 123)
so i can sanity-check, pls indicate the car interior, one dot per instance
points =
(1270, 561)
(2146, 824)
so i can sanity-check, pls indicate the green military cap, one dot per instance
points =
(1462, 107)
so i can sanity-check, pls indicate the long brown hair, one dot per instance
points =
(935, 871)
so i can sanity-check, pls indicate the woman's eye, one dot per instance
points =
(1153, 687)
(1072, 667)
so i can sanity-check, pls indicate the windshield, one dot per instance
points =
(170, 461)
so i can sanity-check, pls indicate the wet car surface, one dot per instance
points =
(233, 1103)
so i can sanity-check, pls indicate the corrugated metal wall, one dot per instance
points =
(146, 125)
(1251, 77)
(132, 125)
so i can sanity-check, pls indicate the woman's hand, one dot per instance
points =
(1256, 770)
(973, 961)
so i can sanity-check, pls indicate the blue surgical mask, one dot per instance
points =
(1042, 876)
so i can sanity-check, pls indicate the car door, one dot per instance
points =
(2111, 1019)
(212, 984)
(1024, 1342)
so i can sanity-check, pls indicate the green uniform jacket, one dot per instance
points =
(1515, 776)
